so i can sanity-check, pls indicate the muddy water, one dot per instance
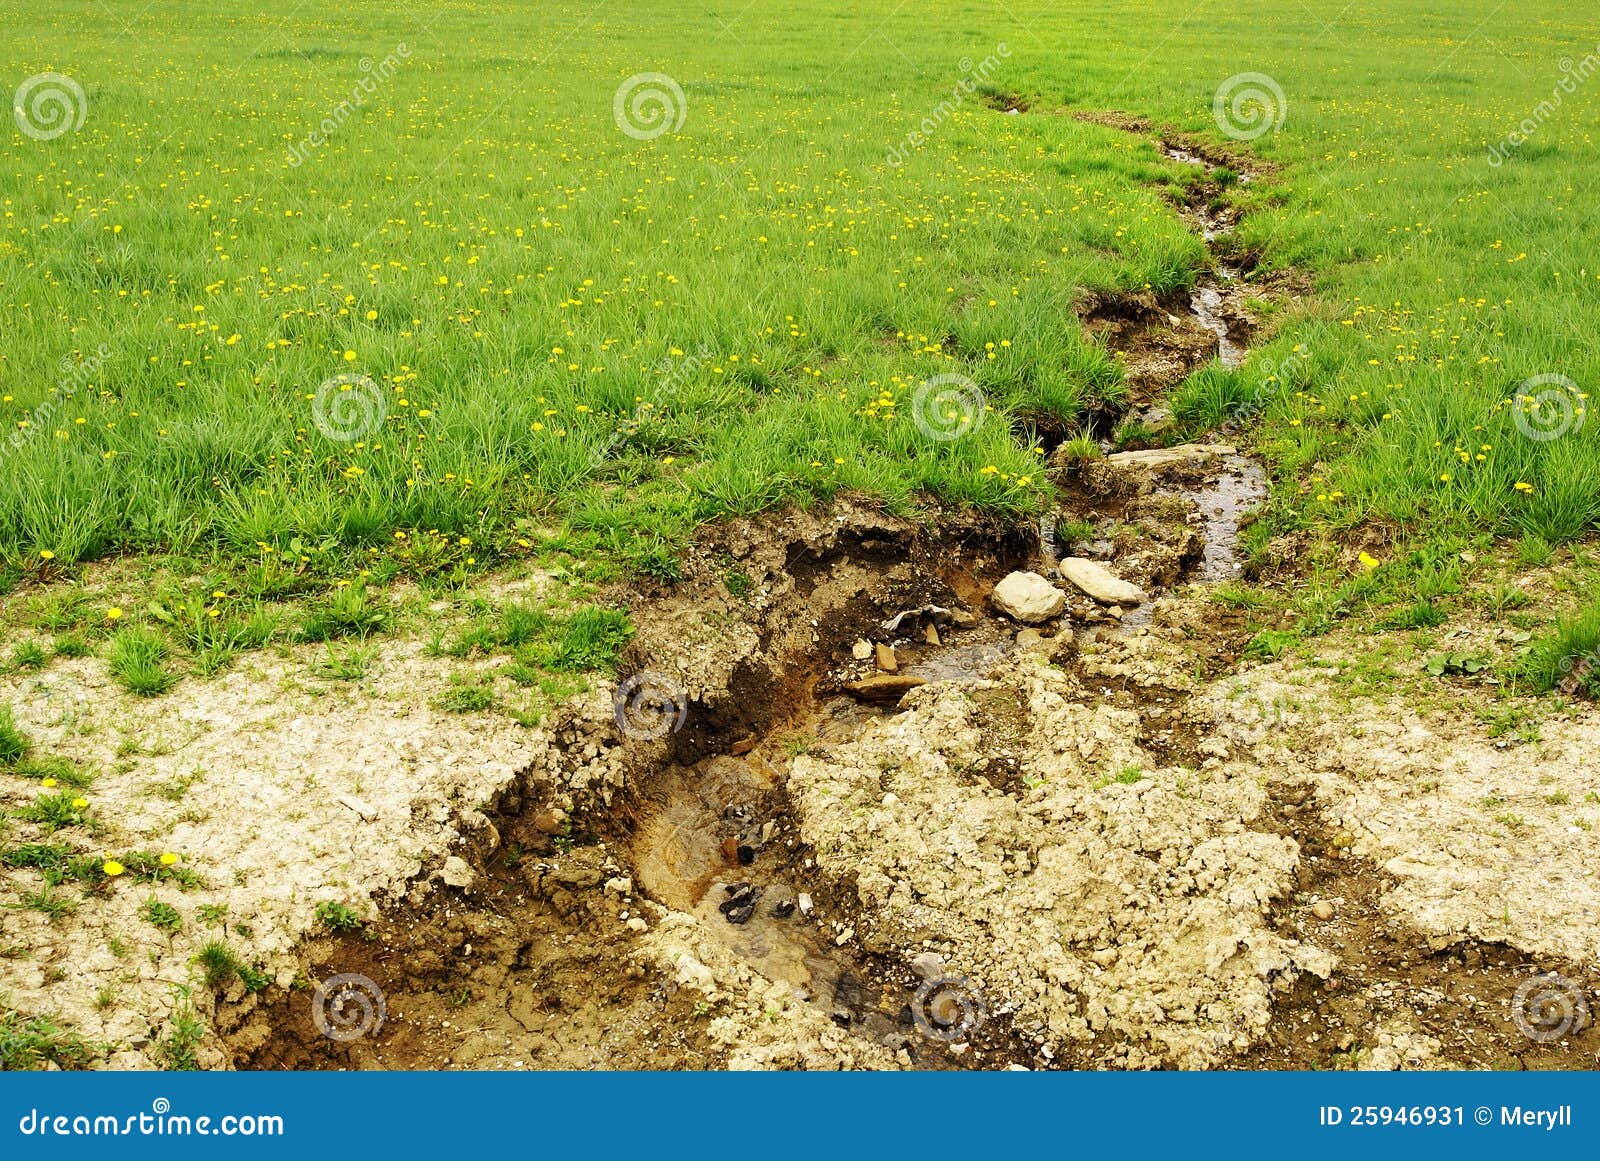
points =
(718, 850)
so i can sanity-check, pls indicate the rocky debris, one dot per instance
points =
(1029, 598)
(1322, 909)
(963, 618)
(862, 649)
(741, 902)
(886, 659)
(1100, 582)
(930, 634)
(783, 909)
(803, 901)
(883, 688)
(929, 965)
(552, 821)
(1135, 915)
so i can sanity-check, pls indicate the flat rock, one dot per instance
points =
(1028, 597)
(883, 687)
(886, 658)
(1100, 582)
(1163, 457)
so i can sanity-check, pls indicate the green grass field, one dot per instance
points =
(394, 290)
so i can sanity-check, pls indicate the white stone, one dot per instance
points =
(1028, 597)
(1100, 582)
(457, 872)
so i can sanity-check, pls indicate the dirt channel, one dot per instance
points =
(859, 816)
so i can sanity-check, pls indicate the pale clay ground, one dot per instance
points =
(1078, 907)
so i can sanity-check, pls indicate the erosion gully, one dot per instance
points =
(710, 835)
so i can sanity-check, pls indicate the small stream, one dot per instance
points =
(721, 845)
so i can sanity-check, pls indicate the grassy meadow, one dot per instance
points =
(393, 289)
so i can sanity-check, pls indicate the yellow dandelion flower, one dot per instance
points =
(112, 868)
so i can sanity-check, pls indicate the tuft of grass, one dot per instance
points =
(221, 964)
(349, 664)
(185, 1030)
(30, 1043)
(465, 697)
(63, 770)
(47, 902)
(348, 611)
(54, 811)
(72, 645)
(14, 744)
(29, 655)
(137, 657)
(594, 639)
(1568, 657)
